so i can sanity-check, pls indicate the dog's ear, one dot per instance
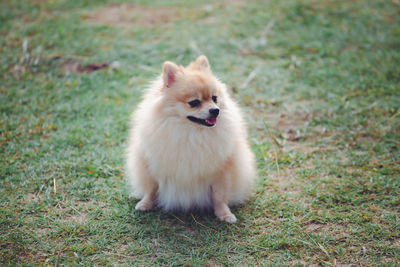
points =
(170, 70)
(202, 62)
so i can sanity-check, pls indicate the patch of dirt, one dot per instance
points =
(396, 243)
(32, 197)
(304, 148)
(209, 20)
(213, 265)
(314, 227)
(76, 214)
(77, 67)
(76, 218)
(38, 2)
(286, 180)
(289, 119)
(43, 231)
(128, 15)
(233, 3)
(16, 253)
(287, 126)
(286, 123)
(337, 231)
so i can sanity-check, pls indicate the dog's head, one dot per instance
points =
(193, 92)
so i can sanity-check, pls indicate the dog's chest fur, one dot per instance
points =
(184, 164)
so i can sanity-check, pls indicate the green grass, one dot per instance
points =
(319, 82)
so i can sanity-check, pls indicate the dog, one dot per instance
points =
(188, 146)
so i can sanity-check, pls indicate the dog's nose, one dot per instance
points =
(214, 112)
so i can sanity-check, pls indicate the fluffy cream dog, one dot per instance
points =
(188, 145)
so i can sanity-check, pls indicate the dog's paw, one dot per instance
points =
(144, 205)
(228, 217)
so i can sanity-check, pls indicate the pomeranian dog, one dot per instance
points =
(188, 145)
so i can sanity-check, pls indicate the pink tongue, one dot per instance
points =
(211, 121)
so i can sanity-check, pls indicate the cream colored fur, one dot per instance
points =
(178, 164)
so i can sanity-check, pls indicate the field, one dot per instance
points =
(319, 84)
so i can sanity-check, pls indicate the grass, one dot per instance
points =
(319, 82)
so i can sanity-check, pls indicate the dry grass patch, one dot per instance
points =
(129, 15)
(43, 231)
(337, 231)
(74, 214)
(304, 148)
(32, 197)
(76, 218)
(285, 180)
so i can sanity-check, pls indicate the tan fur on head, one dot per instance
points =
(180, 163)
(201, 63)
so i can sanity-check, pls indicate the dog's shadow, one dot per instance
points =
(163, 232)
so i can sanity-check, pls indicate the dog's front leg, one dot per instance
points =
(220, 202)
(150, 188)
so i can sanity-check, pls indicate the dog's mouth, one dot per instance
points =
(206, 122)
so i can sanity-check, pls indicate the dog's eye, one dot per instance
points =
(194, 103)
(214, 98)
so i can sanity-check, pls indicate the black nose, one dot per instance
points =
(214, 112)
